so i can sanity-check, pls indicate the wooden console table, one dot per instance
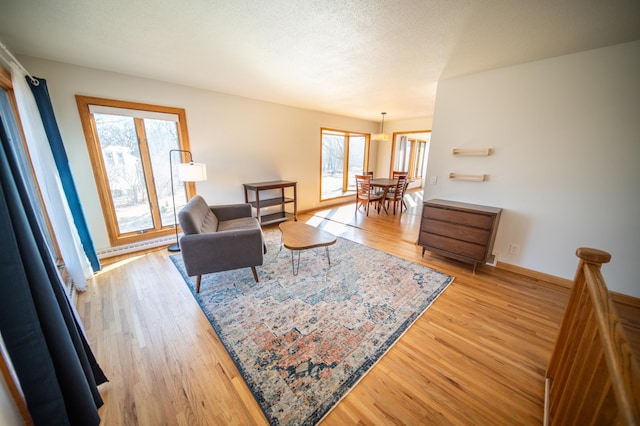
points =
(278, 187)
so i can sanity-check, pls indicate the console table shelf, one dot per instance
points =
(276, 197)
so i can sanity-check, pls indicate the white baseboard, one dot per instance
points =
(137, 246)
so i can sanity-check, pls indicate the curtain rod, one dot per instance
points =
(17, 63)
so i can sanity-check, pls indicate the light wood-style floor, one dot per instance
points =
(477, 356)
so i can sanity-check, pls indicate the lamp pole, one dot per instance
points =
(176, 246)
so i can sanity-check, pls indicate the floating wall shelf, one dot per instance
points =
(481, 152)
(468, 178)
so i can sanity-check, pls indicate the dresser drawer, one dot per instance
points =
(456, 231)
(460, 248)
(460, 217)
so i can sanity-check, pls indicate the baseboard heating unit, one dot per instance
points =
(137, 246)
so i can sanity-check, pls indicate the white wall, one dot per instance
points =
(241, 140)
(9, 412)
(566, 135)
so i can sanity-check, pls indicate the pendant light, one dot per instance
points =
(382, 136)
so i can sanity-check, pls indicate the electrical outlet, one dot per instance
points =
(433, 180)
(514, 249)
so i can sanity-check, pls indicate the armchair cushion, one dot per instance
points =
(239, 223)
(231, 211)
(196, 217)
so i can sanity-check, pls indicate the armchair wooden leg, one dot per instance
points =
(255, 273)
(198, 279)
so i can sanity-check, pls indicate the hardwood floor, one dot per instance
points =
(476, 356)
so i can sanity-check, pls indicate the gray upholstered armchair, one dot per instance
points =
(219, 238)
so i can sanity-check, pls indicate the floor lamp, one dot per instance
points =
(187, 172)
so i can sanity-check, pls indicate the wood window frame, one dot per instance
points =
(99, 170)
(6, 84)
(413, 154)
(345, 176)
(6, 368)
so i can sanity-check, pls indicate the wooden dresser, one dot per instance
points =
(462, 231)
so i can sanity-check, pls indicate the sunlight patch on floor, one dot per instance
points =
(334, 227)
(410, 202)
(117, 265)
(342, 214)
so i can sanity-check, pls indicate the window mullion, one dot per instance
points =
(412, 159)
(345, 173)
(420, 159)
(148, 173)
(367, 147)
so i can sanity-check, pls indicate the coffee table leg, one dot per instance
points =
(328, 258)
(294, 267)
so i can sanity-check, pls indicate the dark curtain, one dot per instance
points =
(51, 357)
(41, 95)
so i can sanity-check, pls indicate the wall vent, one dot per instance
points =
(137, 246)
(67, 282)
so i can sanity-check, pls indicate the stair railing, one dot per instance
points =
(593, 375)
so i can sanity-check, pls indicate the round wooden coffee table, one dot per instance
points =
(298, 236)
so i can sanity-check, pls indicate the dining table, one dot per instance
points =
(385, 184)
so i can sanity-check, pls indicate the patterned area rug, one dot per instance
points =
(302, 342)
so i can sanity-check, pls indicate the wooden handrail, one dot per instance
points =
(593, 375)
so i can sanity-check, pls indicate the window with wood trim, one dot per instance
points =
(129, 145)
(344, 155)
(409, 153)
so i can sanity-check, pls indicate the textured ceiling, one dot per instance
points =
(352, 58)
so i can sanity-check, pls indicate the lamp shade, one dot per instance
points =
(381, 137)
(192, 172)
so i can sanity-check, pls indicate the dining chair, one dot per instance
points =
(364, 194)
(375, 189)
(396, 195)
(404, 191)
(396, 174)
